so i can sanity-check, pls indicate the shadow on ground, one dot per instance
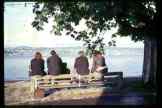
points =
(132, 92)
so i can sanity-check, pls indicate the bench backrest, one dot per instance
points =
(70, 76)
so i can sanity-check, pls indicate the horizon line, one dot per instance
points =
(63, 46)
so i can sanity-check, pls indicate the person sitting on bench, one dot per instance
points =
(36, 69)
(81, 64)
(54, 64)
(99, 66)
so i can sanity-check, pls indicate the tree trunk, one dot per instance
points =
(150, 61)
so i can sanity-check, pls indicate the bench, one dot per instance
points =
(66, 81)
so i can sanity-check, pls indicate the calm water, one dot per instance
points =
(128, 60)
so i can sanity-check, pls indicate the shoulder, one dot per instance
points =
(42, 60)
(48, 57)
(103, 57)
(77, 58)
(32, 59)
(85, 57)
(55, 56)
(58, 56)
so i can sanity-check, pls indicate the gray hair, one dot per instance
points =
(81, 53)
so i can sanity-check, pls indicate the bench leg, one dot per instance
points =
(33, 82)
(32, 88)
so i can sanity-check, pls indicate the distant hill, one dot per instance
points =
(28, 47)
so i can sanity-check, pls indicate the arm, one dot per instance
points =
(103, 62)
(30, 68)
(87, 62)
(60, 60)
(44, 73)
(43, 64)
(75, 64)
(48, 62)
(93, 65)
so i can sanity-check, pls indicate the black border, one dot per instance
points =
(2, 54)
(2, 65)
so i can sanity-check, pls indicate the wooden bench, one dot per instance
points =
(66, 81)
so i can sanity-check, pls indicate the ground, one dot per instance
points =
(132, 92)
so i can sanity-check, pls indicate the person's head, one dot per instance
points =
(94, 53)
(38, 55)
(53, 52)
(97, 53)
(81, 53)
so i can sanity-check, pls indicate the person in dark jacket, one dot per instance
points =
(81, 64)
(54, 64)
(36, 70)
(37, 65)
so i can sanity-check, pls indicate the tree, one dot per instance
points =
(134, 18)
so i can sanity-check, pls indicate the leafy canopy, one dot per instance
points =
(135, 18)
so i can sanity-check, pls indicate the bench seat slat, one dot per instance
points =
(72, 86)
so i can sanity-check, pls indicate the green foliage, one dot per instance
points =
(134, 18)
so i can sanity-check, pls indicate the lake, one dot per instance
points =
(127, 60)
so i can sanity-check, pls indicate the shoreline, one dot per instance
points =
(13, 81)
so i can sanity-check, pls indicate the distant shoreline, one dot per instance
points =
(13, 81)
(28, 47)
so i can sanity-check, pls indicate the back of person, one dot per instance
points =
(37, 65)
(36, 70)
(81, 65)
(54, 64)
(98, 63)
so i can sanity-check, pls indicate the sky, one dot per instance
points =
(18, 31)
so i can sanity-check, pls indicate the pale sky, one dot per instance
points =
(18, 31)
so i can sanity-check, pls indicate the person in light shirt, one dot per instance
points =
(99, 66)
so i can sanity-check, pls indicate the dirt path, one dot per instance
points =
(18, 92)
